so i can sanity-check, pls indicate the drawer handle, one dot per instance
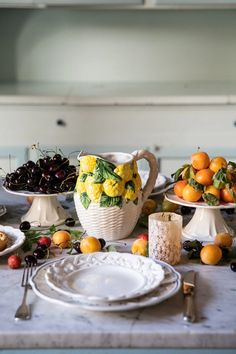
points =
(61, 123)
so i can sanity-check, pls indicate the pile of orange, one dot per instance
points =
(205, 179)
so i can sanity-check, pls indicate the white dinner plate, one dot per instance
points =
(16, 239)
(168, 288)
(104, 276)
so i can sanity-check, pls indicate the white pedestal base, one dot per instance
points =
(205, 224)
(45, 211)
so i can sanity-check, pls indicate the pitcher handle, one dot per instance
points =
(153, 172)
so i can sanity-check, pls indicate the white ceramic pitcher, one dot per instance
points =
(115, 223)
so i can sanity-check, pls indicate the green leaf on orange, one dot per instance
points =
(210, 199)
(197, 186)
(220, 179)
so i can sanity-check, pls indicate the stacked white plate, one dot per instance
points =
(161, 185)
(106, 281)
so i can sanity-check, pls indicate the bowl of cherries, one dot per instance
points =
(43, 180)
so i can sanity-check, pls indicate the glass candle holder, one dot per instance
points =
(165, 235)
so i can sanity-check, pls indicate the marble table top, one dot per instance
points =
(160, 326)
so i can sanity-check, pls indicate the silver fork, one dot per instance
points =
(23, 312)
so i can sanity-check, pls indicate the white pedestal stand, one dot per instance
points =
(45, 209)
(206, 222)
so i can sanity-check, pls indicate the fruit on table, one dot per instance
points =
(168, 206)
(204, 179)
(70, 222)
(90, 244)
(44, 241)
(193, 247)
(102, 242)
(149, 206)
(103, 183)
(210, 254)
(61, 238)
(233, 266)
(223, 239)
(31, 260)
(143, 236)
(25, 226)
(39, 252)
(46, 175)
(140, 247)
(14, 261)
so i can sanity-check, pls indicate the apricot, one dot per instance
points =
(140, 247)
(90, 244)
(61, 238)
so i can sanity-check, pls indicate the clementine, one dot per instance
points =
(190, 194)
(179, 186)
(204, 176)
(200, 160)
(217, 163)
(227, 195)
(213, 190)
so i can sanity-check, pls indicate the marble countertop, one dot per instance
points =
(160, 326)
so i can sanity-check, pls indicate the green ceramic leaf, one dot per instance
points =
(107, 201)
(130, 185)
(85, 200)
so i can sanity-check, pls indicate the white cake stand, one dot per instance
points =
(207, 220)
(45, 209)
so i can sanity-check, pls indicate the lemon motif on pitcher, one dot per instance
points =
(124, 171)
(80, 186)
(94, 190)
(113, 188)
(88, 164)
(131, 192)
(101, 182)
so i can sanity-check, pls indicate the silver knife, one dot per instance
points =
(188, 291)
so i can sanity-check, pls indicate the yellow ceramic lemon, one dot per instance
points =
(124, 171)
(88, 164)
(80, 186)
(130, 194)
(113, 188)
(94, 190)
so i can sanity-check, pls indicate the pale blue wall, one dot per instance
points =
(76, 45)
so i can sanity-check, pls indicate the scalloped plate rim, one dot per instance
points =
(16, 234)
(152, 279)
(42, 290)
